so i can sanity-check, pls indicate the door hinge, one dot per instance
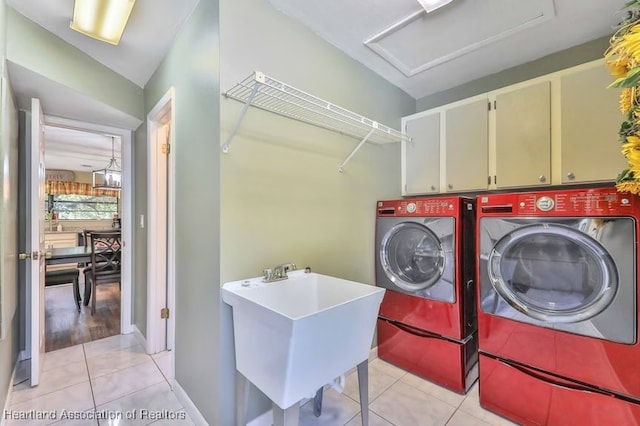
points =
(166, 148)
(164, 313)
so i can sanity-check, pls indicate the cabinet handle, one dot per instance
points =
(433, 188)
(450, 186)
(571, 176)
(542, 178)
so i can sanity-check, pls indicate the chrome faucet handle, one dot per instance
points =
(268, 274)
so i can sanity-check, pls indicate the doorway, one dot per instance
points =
(161, 226)
(79, 199)
(124, 207)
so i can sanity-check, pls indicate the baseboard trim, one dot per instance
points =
(5, 407)
(188, 405)
(139, 336)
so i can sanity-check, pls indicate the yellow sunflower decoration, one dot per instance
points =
(623, 60)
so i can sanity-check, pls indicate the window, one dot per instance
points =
(87, 207)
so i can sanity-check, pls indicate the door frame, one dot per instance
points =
(126, 197)
(157, 296)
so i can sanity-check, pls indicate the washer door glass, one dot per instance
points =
(553, 273)
(412, 256)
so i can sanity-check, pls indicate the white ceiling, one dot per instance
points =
(418, 52)
(461, 42)
(70, 149)
(150, 32)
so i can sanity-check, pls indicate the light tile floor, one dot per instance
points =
(103, 382)
(399, 398)
(114, 377)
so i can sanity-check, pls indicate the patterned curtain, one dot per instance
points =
(55, 187)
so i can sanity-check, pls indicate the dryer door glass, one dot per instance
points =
(553, 272)
(412, 256)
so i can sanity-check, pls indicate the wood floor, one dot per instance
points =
(65, 326)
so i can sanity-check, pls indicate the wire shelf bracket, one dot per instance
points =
(271, 95)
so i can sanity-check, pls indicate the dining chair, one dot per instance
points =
(105, 263)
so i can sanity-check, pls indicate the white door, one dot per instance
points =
(35, 238)
(160, 237)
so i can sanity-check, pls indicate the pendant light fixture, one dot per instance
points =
(109, 177)
(431, 5)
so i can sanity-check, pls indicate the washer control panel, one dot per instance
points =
(419, 207)
(596, 201)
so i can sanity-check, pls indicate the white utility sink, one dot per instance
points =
(294, 336)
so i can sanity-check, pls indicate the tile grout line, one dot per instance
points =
(118, 369)
(93, 396)
(131, 393)
(371, 401)
(162, 372)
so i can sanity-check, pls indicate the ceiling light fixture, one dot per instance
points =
(431, 5)
(111, 176)
(103, 20)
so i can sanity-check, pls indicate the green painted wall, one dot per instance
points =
(32, 47)
(555, 62)
(277, 196)
(9, 311)
(282, 197)
(3, 34)
(192, 67)
(139, 303)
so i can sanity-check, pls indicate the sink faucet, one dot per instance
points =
(279, 272)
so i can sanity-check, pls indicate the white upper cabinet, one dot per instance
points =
(421, 157)
(523, 136)
(561, 128)
(590, 121)
(466, 146)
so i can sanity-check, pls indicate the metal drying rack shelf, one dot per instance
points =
(269, 94)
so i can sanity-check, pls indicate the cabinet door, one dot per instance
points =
(466, 146)
(421, 157)
(523, 136)
(590, 123)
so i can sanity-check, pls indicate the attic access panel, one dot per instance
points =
(424, 40)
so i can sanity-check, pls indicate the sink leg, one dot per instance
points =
(288, 417)
(242, 399)
(317, 403)
(363, 387)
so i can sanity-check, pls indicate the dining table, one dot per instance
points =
(60, 255)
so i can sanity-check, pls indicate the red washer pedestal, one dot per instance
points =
(445, 362)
